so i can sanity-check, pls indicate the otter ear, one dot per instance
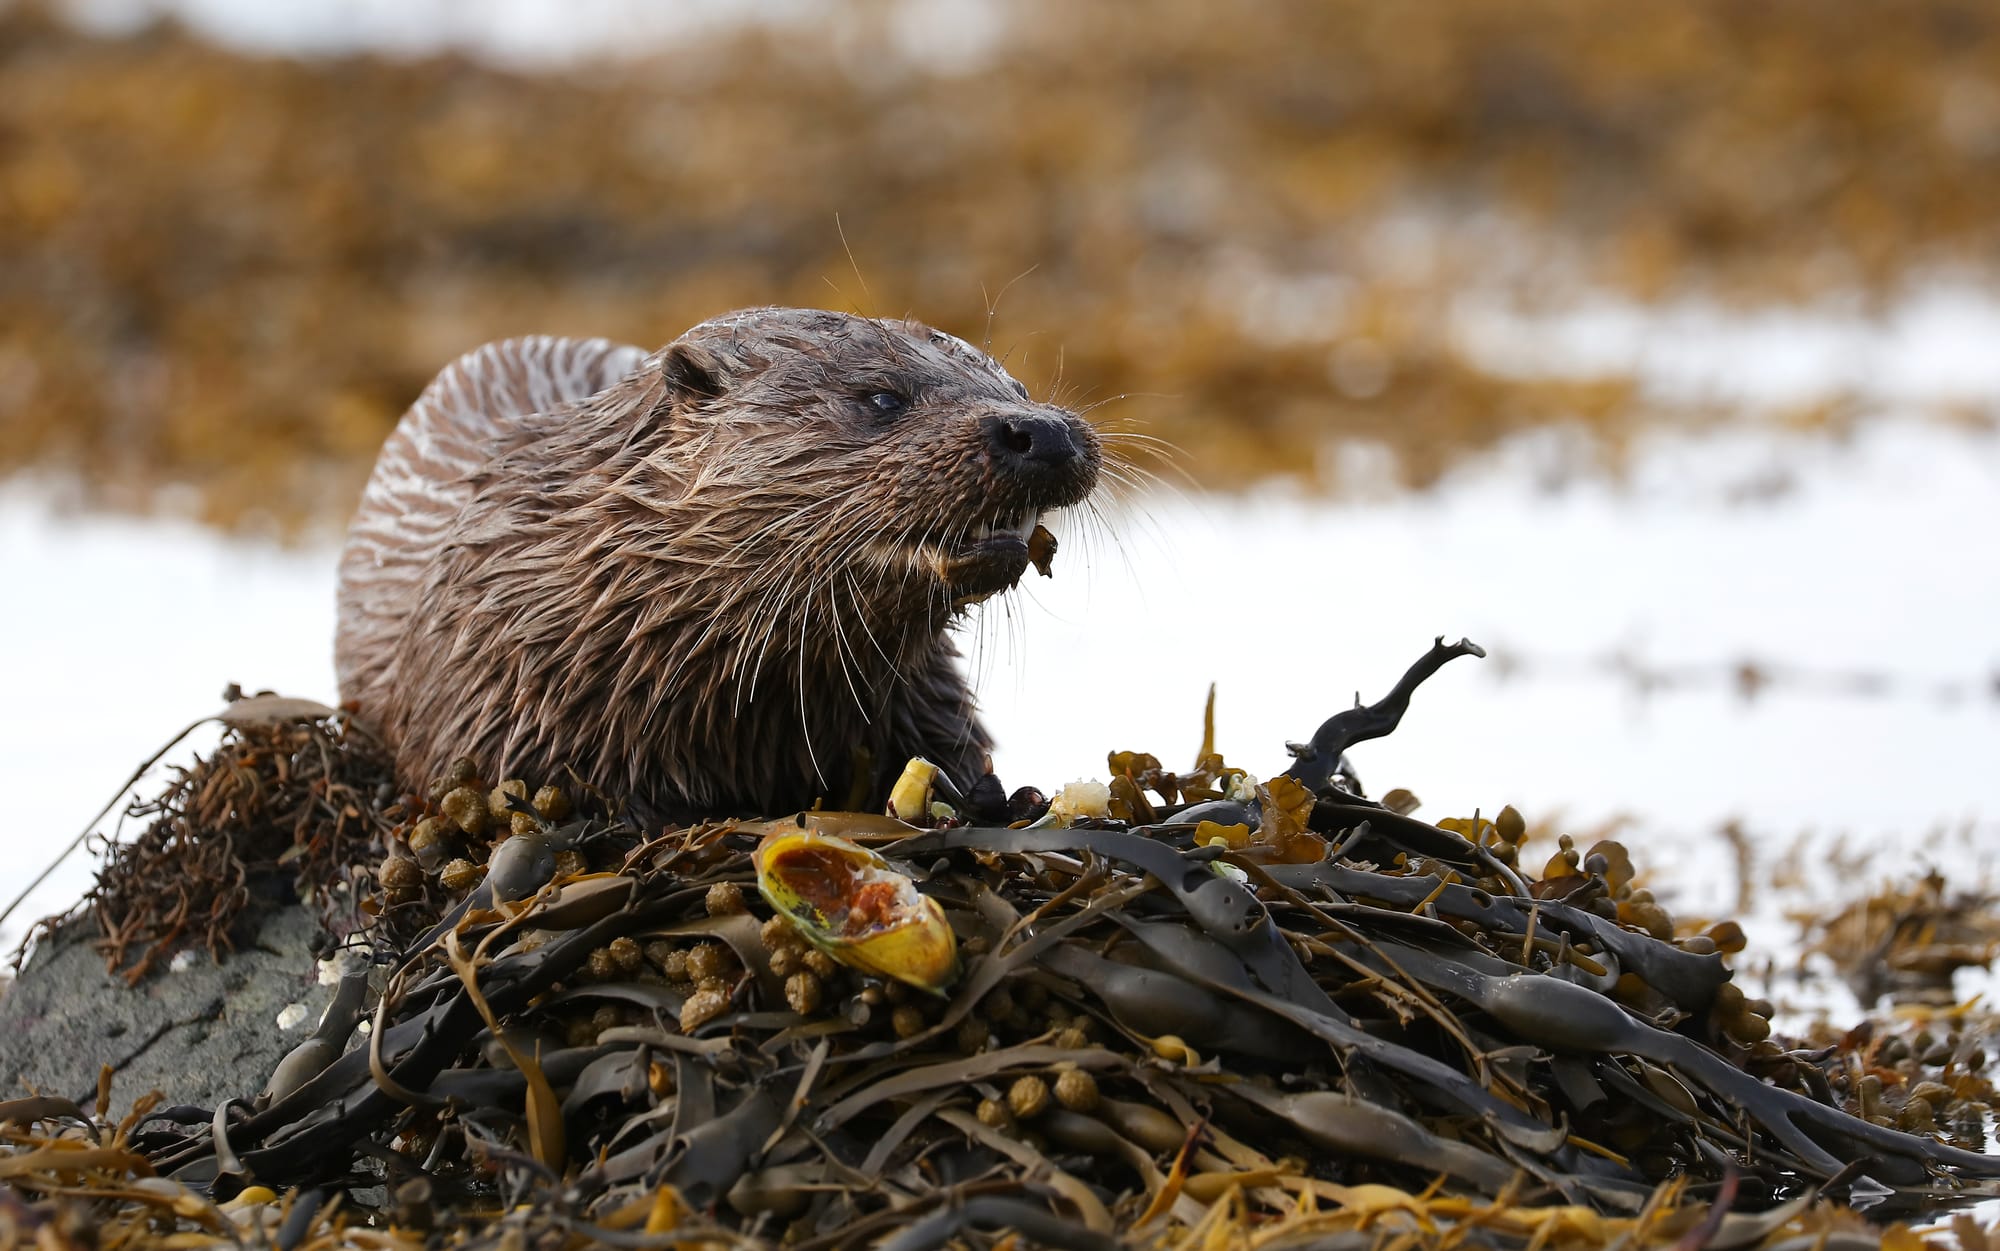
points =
(691, 373)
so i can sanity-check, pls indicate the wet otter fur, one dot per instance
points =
(709, 578)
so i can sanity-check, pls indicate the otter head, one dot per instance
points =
(888, 456)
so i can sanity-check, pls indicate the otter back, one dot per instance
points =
(423, 477)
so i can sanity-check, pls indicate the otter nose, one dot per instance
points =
(1032, 441)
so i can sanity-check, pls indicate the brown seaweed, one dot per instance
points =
(1152, 1036)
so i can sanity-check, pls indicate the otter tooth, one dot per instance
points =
(1019, 525)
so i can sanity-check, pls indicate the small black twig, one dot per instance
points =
(1316, 764)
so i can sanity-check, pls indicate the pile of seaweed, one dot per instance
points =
(287, 805)
(1178, 1009)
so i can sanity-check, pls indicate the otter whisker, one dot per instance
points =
(1086, 409)
(774, 525)
(921, 546)
(778, 593)
(1128, 480)
(1151, 444)
(841, 652)
(853, 264)
(1123, 452)
(862, 537)
(763, 621)
(896, 676)
(993, 305)
(805, 724)
(773, 609)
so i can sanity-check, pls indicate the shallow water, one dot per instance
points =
(1930, 346)
(521, 33)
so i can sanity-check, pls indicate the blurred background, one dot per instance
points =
(1657, 349)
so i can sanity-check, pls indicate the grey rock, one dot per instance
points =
(198, 1035)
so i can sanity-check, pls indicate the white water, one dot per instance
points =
(538, 35)
(120, 632)
(527, 33)
(1933, 346)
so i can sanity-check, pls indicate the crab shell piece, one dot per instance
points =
(856, 907)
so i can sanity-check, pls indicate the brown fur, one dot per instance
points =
(702, 578)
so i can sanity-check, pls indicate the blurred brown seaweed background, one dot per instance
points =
(233, 270)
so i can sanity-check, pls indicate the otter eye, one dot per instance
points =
(888, 403)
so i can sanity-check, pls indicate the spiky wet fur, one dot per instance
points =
(702, 578)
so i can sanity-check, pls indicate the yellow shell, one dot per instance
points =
(853, 905)
(910, 800)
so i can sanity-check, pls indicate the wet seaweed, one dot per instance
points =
(1908, 939)
(286, 805)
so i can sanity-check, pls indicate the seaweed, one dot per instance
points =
(1158, 1033)
(285, 806)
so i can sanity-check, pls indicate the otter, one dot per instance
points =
(709, 579)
